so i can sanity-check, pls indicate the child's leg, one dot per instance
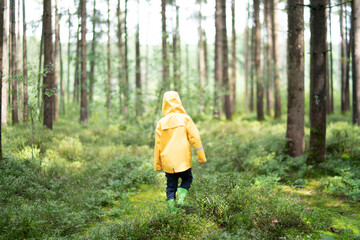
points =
(171, 185)
(186, 179)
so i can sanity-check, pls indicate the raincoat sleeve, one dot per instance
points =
(157, 160)
(194, 137)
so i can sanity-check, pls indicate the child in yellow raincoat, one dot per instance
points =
(174, 133)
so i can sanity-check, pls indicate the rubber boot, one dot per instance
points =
(181, 195)
(172, 206)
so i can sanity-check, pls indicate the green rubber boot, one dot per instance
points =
(181, 195)
(172, 206)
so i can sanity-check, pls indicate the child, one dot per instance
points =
(174, 133)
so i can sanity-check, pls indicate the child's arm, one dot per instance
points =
(157, 160)
(194, 137)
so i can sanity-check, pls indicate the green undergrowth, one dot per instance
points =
(97, 182)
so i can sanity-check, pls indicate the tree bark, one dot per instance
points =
(343, 59)
(246, 63)
(176, 52)
(48, 66)
(233, 59)
(218, 62)
(5, 67)
(40, 70)
(356, 60)
(275, 55)
(138, 104)
(126, 70)
(19, 67)
(1, 65)
(109, 87)
(317, 82)
(77, 60)
(269, 58)
(84, 105)
(56, 65)
(295, 140)
(258, 75)
(120, 45)
(331, 87)
(165, 63)
(62, 96)
(93, 53)
(13, 72)
(68, 59)
(202, 69)
(25, 67)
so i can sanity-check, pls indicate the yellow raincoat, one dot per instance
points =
(174, 133)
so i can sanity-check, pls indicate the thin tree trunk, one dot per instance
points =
(5, 67)
(77, 60)
(25, 67)
(233, 59)
(56, 64)
(13, 69)
(40, 71)
(18, 66)
(48, 61)
(218, 62)
(355, 5)
(331, 94)
(225, 63)
(68, 59)
(121, 54)
(348, 39)
(126, 70)
(93, 54)
(246, 53)
(109, 87)
(176, 52)
(165, 63)
(206, 59)
(317, 82)
(62, 96)
(257, 54)
(1, 65)
(252, 69)
(343, 59)
(295, 140)
(138, 104)
(269, 58)
(202, 69)
(275, 55)
(84, 102)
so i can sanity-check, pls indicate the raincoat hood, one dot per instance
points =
(172, 103)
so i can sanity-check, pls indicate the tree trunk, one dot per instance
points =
(126, 70)
(1, 65)
(138, 104)
(348, 39)
(40, 70)
(233, 59)
(56, 64)
(356, 60)
(177, 53)
(269, 58)
(225, 64)
(109, 87)
(343, 59)
(62, 97)
(93, 54)
(317, 82)
(252, 68)
(202, 69)
(84, 105)
(275, 55)
(5, 67)
(13, 72)
(258, 75)
(121, 54)
(48, 65)
(25, 67)
(218, 62)
(331, 87)
(165, 63)
(77, 59)
(19, 67)
(295, 140)
(246, 63)
(68, 59)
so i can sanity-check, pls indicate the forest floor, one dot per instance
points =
(97, 182)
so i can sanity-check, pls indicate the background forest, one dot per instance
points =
(273, 86)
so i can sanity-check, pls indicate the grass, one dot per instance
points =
(97, 182)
